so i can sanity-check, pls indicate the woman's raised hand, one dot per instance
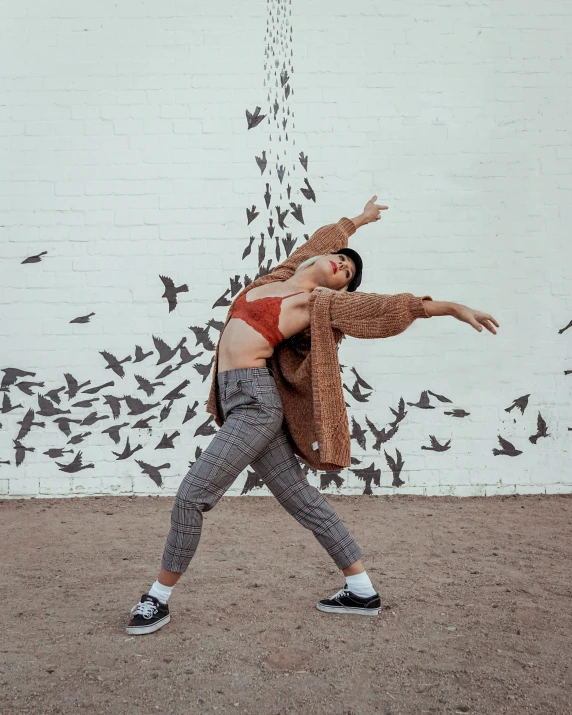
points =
(371, 211)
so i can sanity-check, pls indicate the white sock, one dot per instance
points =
(160, 592)
(360, 585)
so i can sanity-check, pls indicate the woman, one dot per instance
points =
(276, 393)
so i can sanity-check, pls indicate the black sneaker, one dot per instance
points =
(344, 601)
(148, 615)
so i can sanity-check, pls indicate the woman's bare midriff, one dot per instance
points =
(242, 346)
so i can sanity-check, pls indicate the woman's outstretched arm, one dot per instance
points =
(473, 317)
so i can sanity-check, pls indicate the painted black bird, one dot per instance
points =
(63, 424)
(186, 356)
(177, 392)
(206, 428)
(27, 422)
(171, 291)
(368, 475)
(253, 481)
(458, 413)
(284, 77)
(144, 423)
(275, 107)
(396, 465)
(358, 433)
(165, 352)
(35, 259)
(11, 374)
(356, 393)
(54, 452)
(167, 441)
(267, 196)
(97, 388)
(436, 447)
(360, 381)
(251, 214)
(399, 413)
(77, 438)
(262, 161)
(303, 160)
(280, 171)
(202, 337)
(21, 451)
(281, 216)
(76, 465)
(140, 355)
(153, 472)
(308, 192)
(136, 406)
(270, 228)
(507, 448)
(204, 370)
(423, 402)
(222, 301)
(147, 387)
(113, 363)
(127, 451)
(114, 404)
(48, 409)
(247, 250)
(381, 436)
(25, 386)
(73, 386)
(82, 318)
(565, 328)
(326, 479)
(191, 412)
(254, 119)
(288, 243)
(520, 402)
(7, 405)
(297, 212)
(113, 431)
(541, 424)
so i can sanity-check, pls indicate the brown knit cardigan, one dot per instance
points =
(306, 367)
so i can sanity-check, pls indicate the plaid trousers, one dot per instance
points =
(252, 434)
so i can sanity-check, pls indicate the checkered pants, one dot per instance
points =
(252, 434)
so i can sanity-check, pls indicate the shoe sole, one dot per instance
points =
(143, 630)
(353, 611)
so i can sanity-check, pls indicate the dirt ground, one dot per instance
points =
(476, 595)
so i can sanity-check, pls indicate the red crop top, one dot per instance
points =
(262, 314)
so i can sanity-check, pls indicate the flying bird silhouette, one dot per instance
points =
(368, 475)
(284, 77)
(253, 481)
(136, 406)
(7, 405)
(565, 328)
(25, 386)
(247, 250)
(202, 337)
(308, 192)
(21, 451)
(276, 107)
(267, 196)
(288, 243)
(458, 413)
(82, 318)
(356, 393)
(167, 441)
(73, 387)
(423, 402)
(281, 216)
(114, 404)
(127, 451)
(35, 259)
(204, 370)
(270, 228)
(76, 465)
(191, 412)
(177, 392)
(206, 428)
(63, 424)
(254, 119)
(153, 472)
(381, 436)
(399, 413)
(358, 433)
(11, 374)
(507, 448)
(521, 403)
(48, 409)
(297, 212)
(262, 163)
(222, 301)
(326, 479)
(303, 160)
(144, 423)
(251, 214)
(360, 381)
(436, 447)
(396, 465)
(97, 388)
(113, 363)
(165, 352)
(140, 355)
(171, 291)
(439, 397)
(113, 431)
(541, 424)
(147, 387)
(280, 171)
(26, 424)
(77, 438)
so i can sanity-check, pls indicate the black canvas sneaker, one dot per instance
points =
(344, 601)
(148, 615)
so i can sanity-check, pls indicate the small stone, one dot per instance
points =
(99, 677)
(495, 553)
(51, 668)
(167, 660)
(443, 614)
(518, 631)
(189, 671)
(451, 628)
(292, 576)
(463, 708)
(495, 605)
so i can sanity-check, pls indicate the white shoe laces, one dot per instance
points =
(147, 609)
(341, 592)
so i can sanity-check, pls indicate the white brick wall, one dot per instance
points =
(124, 154)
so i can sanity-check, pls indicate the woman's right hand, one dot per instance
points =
(371, 211)
(473, 317)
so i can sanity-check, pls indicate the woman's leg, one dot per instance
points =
(279, 469)
(248, 429)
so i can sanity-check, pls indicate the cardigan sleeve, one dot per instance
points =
(375, 315)
(326, 239)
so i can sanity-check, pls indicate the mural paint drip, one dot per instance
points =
(277, 218)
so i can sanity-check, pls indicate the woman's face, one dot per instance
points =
(337, 270)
